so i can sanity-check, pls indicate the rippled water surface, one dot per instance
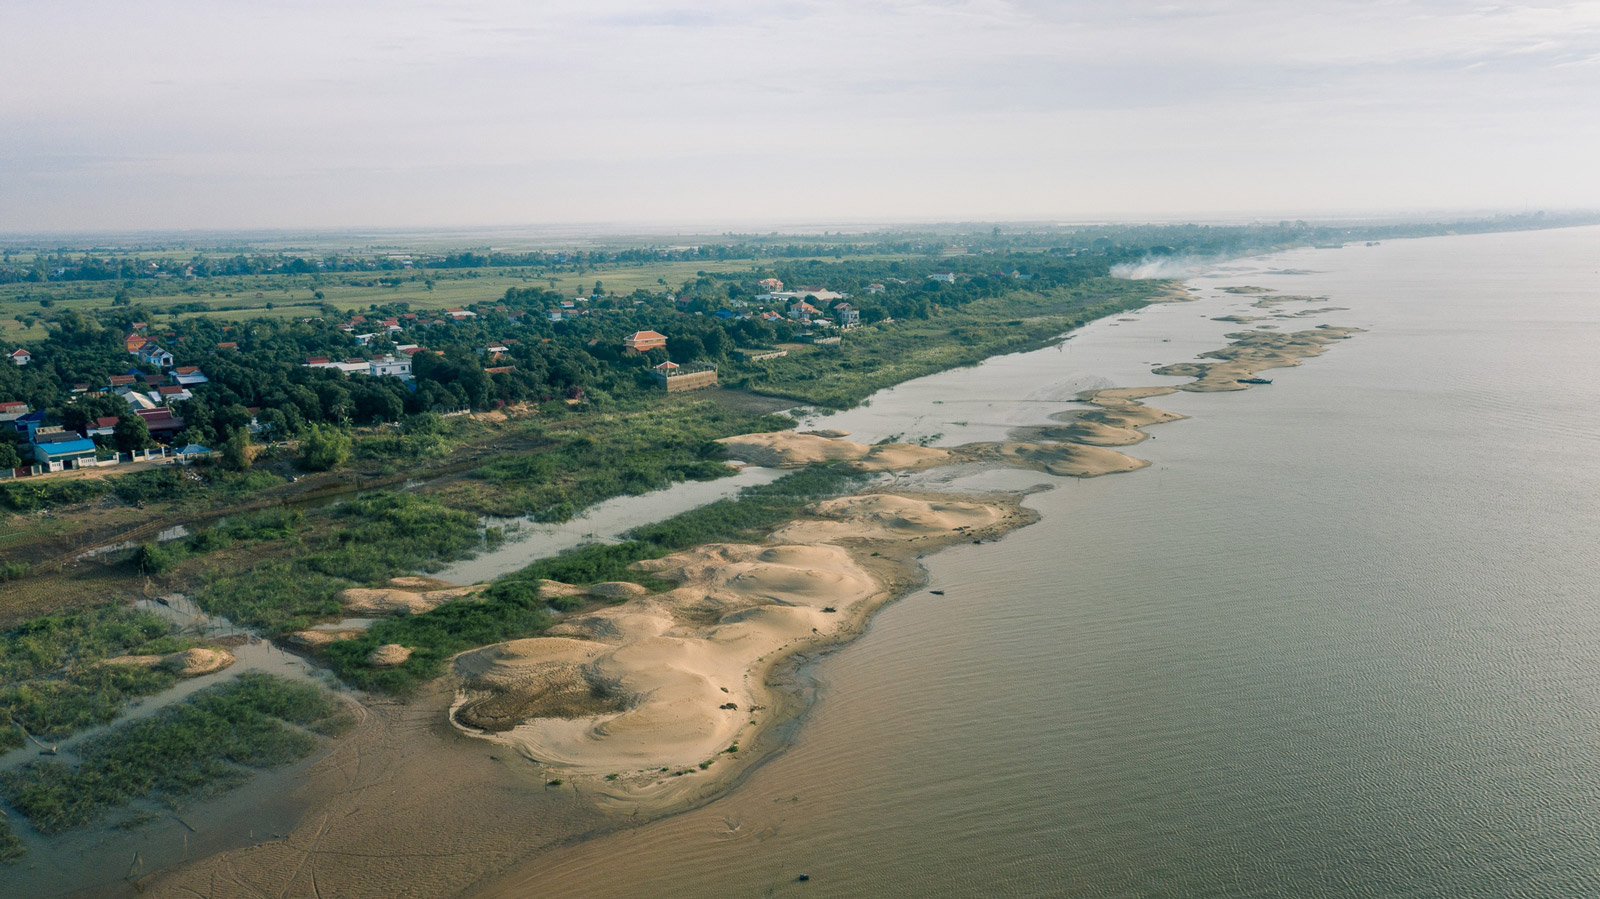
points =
(1342, 639)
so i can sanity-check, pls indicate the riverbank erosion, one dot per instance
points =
(650, 699)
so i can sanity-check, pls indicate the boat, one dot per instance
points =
(1255, 380)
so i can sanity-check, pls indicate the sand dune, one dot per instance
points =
(883, 516)
(1094, 433)
(787, 449)
(1250, 353)
(186, 663)
(1073, 460)
(676, 679)
(397, 601)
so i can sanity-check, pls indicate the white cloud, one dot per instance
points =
(177, 113)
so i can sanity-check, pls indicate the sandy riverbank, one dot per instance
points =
(649, 699)
(437, 796)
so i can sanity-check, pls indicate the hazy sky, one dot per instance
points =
(221, 113)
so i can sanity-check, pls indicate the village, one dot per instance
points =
(156, 389)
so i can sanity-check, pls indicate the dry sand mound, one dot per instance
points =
(1071, 460)
(668, 680)
(884, 516)
(617, 590)
(187, 663)
(388, 655)
(417, 582)
(395, 601)
(316, 639)
(195, 662)
(1252, 352)
(1128, 415)
(548, 677)
(786, 449)
(1094, 433)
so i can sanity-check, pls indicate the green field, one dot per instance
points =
(294, 296)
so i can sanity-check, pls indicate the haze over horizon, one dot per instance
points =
(183, 115)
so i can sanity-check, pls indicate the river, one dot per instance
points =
(1341, 639)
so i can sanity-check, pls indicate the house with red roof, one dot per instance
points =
(644, 341)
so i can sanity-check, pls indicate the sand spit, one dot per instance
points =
(1252, 352)
(1069, 460)
(187, 663)
(1247, 289)
(1091, 433)
(678, 680)
(787, 449)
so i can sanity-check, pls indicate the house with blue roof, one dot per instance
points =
(59, 450)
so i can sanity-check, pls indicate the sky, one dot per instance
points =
(207, 114)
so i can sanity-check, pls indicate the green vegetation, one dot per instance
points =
(880, 356)
(51, 683)
(203, 746)
(376, 536)
(513, 608)
(11, 848)
(606, 455)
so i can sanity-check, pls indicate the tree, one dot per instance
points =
(324, 448)
(8, 456)
(237, 451)
(131, 433)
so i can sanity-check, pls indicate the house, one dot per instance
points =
(189, 375)
(770, 285)
(29, 422)
(317, 362)
(20, 357)
(500, 370)
(168, 395)
(116, 382)
(460, 314)
(644, 341)
(407, 349)
(228, 345)
(875, 288)
(161, 422)
(137, 400)
(364, 339)
(391, 367)
(152, 354)
(676, 378)
(946, 277)
(846, 315)
(553, 315)
(11, 411)
(59, 450)
(104, 426)
(134, 341)
(803, 309)
(392, 325)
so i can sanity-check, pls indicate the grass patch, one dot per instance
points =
(53, 684)
(373, 537)
(10, 847)
(203, 746)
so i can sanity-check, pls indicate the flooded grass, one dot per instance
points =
(200, 747)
